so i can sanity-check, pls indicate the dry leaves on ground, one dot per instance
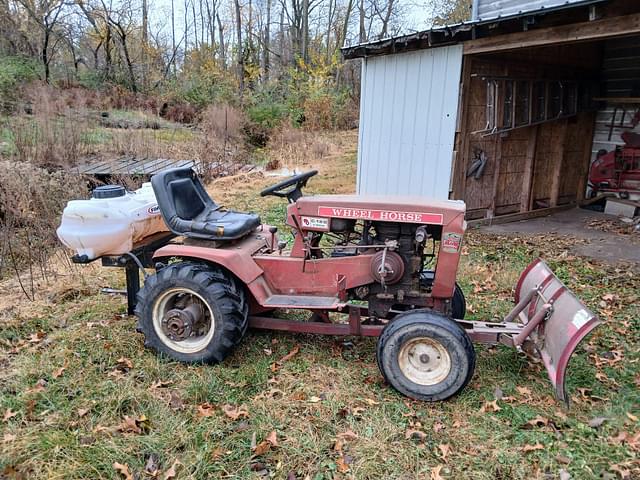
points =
(435, 472)
(235, 412)
(530, 448)
(123, 470)
(276, 366)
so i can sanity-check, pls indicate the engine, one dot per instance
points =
(401, 252)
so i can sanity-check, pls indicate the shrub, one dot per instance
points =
(31, 201)
(15, 71)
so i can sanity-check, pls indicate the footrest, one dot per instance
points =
(302, 301)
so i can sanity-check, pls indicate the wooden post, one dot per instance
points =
(556, 167)
(529, 165)
(462, 155)
(590, 122)
(497, 153)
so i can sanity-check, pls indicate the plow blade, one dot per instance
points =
(553, 319)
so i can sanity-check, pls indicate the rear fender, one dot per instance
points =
(566, 323)
(237, 260)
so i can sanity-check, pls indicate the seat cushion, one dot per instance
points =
(223, 225)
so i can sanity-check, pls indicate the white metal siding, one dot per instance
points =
(408, 108)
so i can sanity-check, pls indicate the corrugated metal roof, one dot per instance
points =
(491, 9)
(460, 32)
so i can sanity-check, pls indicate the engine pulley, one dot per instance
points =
(387, 267)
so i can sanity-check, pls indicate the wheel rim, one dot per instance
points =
(424, 361)
(183, 320)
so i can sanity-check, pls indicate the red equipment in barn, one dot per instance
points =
(361, 265)
(618, 171)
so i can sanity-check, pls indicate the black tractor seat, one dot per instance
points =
(188, 210)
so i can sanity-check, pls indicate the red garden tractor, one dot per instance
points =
(360, 265)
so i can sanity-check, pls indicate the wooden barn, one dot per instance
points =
(506, 112)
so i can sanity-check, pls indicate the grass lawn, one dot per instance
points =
(80, 397)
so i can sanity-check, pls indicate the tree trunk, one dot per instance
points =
(385, 20)
(305, 31)
(266, 45)
(362, 37)
(145, 44)
(240, 55)
(223, 51)
(345, 25)
(45, 56)
(173, 36)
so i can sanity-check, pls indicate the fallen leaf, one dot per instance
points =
(152, 467)
(538, 422)
(490, 407)
(438, 427)
(343, 467)
(314, 399)
(261, 448)
(172, 472)
(272, 438)
(124, 364)
(159, 384)
(597, 421)
(217, 453)
(435, 473)
(524, 391)
(348, 435)
(123, 470)
(564, 475)
(620, 470)
(444, 451)
(37, 337)
(8, 414)
(40, 386)
(371, 402)
(83, 411)
(175, 401)
(632, 417)
(58, 372)
(290, 355)
(531, 448)
(205, 410)
(133, 425)
(235, 413)
(415, 434)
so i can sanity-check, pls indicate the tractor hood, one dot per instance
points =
(403, 209)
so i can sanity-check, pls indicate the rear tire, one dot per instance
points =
(458, 303)
(425, 356)
(166, 306)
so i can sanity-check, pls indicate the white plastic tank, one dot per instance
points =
(111, 222)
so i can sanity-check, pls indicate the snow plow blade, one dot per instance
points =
(553, 319)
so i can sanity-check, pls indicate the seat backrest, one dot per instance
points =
(180, 195)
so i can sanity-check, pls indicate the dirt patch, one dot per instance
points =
(604, 237)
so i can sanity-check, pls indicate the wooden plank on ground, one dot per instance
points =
(577, 32)
(516, 217)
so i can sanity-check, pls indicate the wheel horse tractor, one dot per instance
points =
(376, 266)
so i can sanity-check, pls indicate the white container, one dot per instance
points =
(110, 226)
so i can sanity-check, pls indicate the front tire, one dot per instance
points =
(192, 312)
(425, 356)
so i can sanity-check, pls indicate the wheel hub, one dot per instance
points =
(424, 361)
(180, 323)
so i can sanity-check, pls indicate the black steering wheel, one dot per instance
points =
(292, 194)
